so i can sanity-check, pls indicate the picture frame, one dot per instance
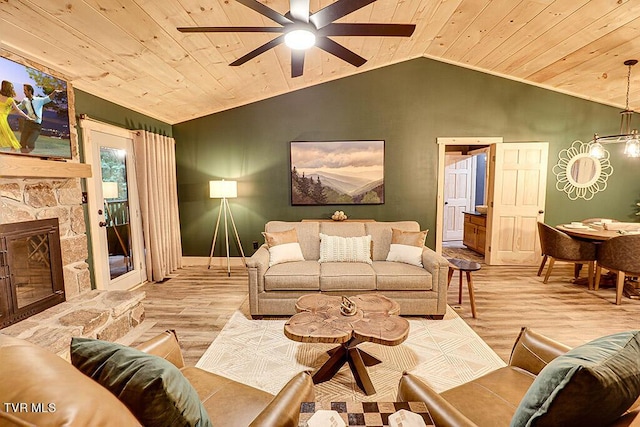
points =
(52, 137)
(337, 172)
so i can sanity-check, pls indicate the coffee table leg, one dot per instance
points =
(331, 366)
(359, 369)
(368, 359)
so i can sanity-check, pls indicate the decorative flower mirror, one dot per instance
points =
(580, 175)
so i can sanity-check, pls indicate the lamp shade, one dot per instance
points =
(109, 190)
(223, 189)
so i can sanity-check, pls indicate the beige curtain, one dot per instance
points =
(158, 192)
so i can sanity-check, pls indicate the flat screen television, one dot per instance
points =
(54, 138)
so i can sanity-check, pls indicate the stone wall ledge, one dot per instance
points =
(107, 315)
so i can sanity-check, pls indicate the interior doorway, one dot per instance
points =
(463, 181)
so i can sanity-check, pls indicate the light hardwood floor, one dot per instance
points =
(198, 302)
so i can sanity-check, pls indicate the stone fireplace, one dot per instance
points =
(31, 199)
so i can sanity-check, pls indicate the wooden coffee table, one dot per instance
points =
(319, 320)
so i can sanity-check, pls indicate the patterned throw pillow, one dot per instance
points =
(406, 246)
(283, 247)
(345, 249)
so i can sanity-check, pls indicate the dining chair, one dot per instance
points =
(620, 255)
(559, 246)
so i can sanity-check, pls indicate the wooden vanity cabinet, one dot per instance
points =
(475, 232)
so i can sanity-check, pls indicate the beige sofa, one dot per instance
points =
(274, 290)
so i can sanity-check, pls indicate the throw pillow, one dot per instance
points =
(283, 246)
(593, 384)
(153, 389)
(406, 246)
(345, 249)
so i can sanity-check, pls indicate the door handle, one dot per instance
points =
(541, 212)
(446, 203)
(102, 224)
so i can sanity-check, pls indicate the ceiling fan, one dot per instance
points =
(301, 30)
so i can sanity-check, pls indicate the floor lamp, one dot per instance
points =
(224, 190)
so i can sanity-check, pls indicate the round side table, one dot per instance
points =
(463, 265)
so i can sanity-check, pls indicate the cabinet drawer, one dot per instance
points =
(476, 219)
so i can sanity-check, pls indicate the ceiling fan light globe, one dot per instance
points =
(300, 39)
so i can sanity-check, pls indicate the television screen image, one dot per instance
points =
(44, 99)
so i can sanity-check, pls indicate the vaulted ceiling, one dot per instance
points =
(129, 51)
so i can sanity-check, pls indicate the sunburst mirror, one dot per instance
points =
(579, 174)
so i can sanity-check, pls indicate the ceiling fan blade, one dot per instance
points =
(397, 30)
(327, 15)
(297, 62)
(340, 51)
(230, 29)
(266, 11)
(265, 47)
(300, 10)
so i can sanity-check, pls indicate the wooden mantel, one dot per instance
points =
(33, 167)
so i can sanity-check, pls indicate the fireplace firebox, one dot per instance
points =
(31, 278)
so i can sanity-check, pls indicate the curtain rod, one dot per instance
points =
(84, 116)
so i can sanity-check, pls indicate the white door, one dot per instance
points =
(457, 195)
(518, 191)
(114, 211)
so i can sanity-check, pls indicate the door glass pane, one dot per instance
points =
(116, 210)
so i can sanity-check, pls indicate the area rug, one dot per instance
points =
(444, 353)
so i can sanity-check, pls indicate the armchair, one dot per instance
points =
(494, 399)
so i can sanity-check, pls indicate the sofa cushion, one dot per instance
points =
(283, 246)
(381, 235)
(152, 388)
(34, 375)
(345, 249)
(396, 276)
(293, 276)
(342, 229)
(307, 235)
(406, 246)
(340, 276)
(592, 384)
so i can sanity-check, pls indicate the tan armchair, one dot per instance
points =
(620, 255)
(559, 246)
(492, 400)
(32, 374)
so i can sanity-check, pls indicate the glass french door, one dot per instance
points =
(114, 211)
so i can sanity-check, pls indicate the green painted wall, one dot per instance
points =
(108, 112)
(408, 105)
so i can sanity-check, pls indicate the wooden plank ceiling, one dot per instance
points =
(129, 51)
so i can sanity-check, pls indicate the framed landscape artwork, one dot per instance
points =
(337, 172)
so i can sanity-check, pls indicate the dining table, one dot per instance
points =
(597, 233)
(594, 233)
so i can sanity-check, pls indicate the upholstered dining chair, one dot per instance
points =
(559, 246)
(620, 255)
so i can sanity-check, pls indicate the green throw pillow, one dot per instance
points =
(153, 389)
(593, 384)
